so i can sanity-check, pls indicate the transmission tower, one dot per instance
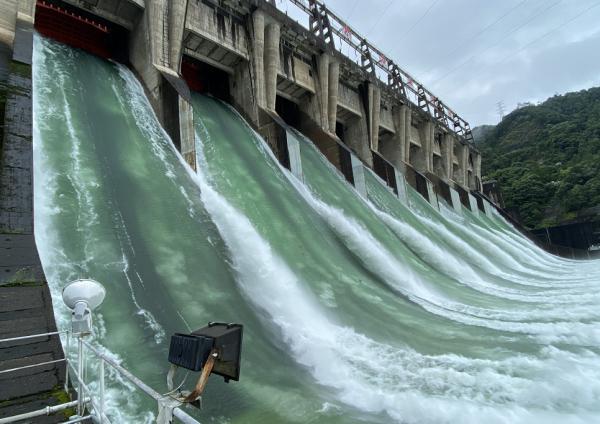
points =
(500, 108)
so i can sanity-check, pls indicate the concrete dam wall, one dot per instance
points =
(267, 65)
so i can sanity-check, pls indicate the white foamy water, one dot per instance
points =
(521, 347)
(375, 377)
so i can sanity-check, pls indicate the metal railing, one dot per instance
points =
(324, 23)
(91, 405)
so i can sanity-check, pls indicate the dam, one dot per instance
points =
(220, 161)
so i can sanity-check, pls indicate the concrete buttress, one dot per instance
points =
(258, 45)
(374, 103)
(323, 72)
(271, 62)
(447, 148)
(407, 130)
(334, 79)
(463, 160)
(156, 45)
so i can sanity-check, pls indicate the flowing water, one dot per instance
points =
(355, 310)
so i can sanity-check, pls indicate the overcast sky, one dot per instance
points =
(476, 53)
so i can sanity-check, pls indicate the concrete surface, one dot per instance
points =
(25, 302)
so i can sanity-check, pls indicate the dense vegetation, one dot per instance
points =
(546, 158)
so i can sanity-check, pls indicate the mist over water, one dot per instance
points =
(355, 309)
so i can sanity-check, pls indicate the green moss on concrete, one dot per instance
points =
(4, 230)
(62, 396)
(20, 69)
(23, 278)
(56, 396)
(23, 284)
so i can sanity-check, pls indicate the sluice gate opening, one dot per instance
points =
(78, 28)
(340, 131)
(206, 79)
(289, 112)
(385, 171)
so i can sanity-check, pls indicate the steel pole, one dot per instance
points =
(67, 362)
(101, 391)
(80, 403)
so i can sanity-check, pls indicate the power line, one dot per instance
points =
(550, 32)
(533, 17)
(477, 34)
(405, 33)
(387, 6)
(352, 10)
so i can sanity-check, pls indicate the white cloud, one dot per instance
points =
(565, 60)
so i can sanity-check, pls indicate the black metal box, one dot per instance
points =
(228, 344)
(191, 351)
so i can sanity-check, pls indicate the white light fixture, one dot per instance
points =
(82, 297)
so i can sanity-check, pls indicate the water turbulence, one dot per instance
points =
(355, 309)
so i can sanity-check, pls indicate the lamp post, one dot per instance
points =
(82, 297)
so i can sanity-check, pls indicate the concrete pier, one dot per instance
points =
(332, 101)
(393, 147)
(447, 150)
(258, 46)
(373, 114)
(431, 193)
(473, 205)
(489, 208)
(401, 186)
(187, 134)
(295, 159)
(323, 84)
(155, 54)
(455, 200)
(358, 172)
(271, 63)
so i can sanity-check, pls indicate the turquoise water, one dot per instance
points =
(355, 310)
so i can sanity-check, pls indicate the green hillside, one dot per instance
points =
(547, 158)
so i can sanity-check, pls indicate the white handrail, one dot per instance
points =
(39, 412)
(97, 410)
(32, 336)
(39, 364)
(177, 411)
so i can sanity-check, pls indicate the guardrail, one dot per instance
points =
(90, 405)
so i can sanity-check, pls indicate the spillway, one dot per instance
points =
(356, 309)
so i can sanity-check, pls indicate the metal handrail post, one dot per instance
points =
(177, 411)
(80, 404)
(86, 389)
(67, 359)
(101, 391)
(127, 374)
